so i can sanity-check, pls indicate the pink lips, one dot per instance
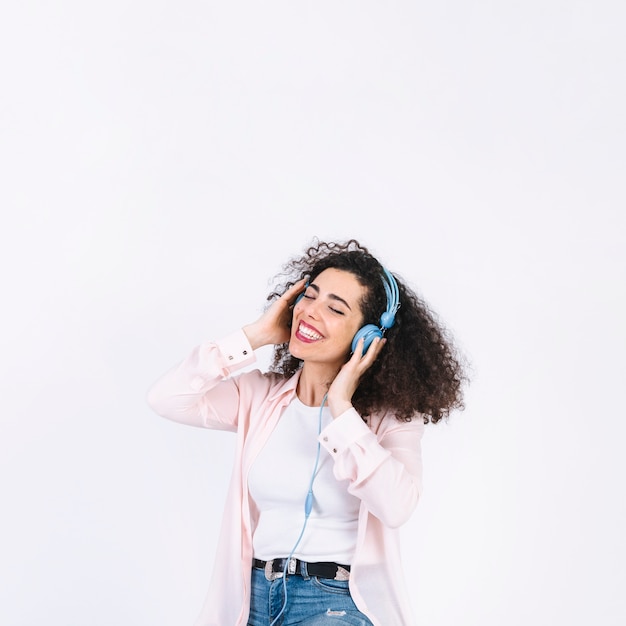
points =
(307, 333)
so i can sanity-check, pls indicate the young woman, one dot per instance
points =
(328, 461)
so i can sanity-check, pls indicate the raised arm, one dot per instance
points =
(201, 390)
(384, 469)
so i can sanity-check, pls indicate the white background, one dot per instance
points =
(161, 160)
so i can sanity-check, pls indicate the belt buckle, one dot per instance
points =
(291, 567)
(270, 574)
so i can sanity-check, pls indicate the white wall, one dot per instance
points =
(161, 160)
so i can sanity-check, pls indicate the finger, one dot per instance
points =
(357, 355)
(379, 344)
(295, 290)
(373, 351)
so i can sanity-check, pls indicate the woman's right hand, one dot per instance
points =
(274, 326)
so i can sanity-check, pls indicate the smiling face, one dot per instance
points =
(326, 319)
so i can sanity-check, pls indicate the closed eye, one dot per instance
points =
(312, 292)
(307, 296)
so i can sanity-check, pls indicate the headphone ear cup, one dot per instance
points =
(302, 294)
(369, 333)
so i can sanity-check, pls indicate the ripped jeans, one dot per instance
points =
(311, 601)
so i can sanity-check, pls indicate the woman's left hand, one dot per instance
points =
(347, 380)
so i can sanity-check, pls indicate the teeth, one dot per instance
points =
(308, 333)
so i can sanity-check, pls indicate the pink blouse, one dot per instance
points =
(381, 460)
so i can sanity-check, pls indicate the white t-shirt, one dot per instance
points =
(279, 481)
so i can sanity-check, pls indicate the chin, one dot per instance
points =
(294, 350)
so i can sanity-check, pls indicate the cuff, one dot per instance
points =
(236, 350)
(343, 431)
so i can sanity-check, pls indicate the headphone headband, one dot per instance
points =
(370, 331)
(388, 318)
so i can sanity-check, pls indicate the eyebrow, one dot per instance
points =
(332, 296)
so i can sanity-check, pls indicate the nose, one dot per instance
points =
(311, 308)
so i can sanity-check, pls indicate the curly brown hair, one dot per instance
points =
(419, 371)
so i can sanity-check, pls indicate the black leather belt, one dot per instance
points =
(276, 567)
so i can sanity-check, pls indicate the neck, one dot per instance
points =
(314, 383)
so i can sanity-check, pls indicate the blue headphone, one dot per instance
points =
(370, 331)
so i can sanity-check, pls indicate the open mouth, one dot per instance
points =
(307, 334)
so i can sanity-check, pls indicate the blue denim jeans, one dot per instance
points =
(311, 601)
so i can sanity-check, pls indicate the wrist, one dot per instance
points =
(339, 406)
(255, 337)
